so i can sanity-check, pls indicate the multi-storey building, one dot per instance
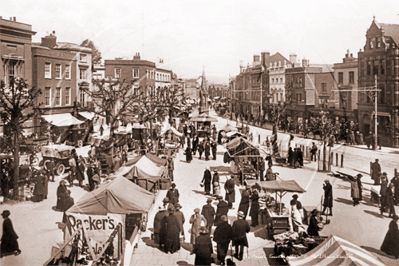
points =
(15, 53)
(277, 77)
(346, 80)
(99, 71)
(308, 90)
(380, 60)
(163, 77)
(218, 91)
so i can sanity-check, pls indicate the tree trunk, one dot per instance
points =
(16, 164)
(324, 157)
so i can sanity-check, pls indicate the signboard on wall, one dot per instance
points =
(310, 97)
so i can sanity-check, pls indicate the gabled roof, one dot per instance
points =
(275, 58)
(391, 30)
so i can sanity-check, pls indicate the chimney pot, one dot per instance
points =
(351, 55)
(15, 18)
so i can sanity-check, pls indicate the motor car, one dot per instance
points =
(61, 155)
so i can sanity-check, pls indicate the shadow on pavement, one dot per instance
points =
(220, 168)
(187, 246)
(260, 231)
(273, 260)
(368, 202)
(344, 201)
(149, 242)
(199, 192)
(339, 186)
(183, 263)
(377, 251)
(376, 214)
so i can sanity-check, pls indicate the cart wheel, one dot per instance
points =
(60, 169)
(80, 143)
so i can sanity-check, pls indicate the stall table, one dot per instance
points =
(277, 223)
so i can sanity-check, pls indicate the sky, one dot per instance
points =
(217, 35)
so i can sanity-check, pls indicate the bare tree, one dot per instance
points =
(18, 102)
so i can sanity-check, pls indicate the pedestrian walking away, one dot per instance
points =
(162, 213)
(173, 195)
(9, 242)
(229, 187)
(222, 236)
(390, 245)
(240, 229)
(208, 211)
(171, 229)
(313, 151)
(244, 203)
(376, 172)
(222, 209)
(206, 181)
(203, 248)
(254, 213)
(215, 181)
(180, 217)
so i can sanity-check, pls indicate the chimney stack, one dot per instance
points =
(49, 41)
(305, 62)
(15, 19)
(136, 57)
(256, 60)
(293, 58)
(264, 56)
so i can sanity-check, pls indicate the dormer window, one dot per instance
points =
(378, 42)
(279, 63)
(371, 44)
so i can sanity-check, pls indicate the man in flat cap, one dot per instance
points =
(240, 230)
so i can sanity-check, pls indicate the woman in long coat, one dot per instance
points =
(229, 187)
(189, 155)
(9, 243)
(196, 220)
(172, 233)
(203, 248)
(39, 191)
(355, 190)
(391, 241)
(157, 225)
(254, 212)
(61, 195)
(313, 228)
(207, 181)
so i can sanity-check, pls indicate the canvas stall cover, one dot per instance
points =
(241, 147)
(336, 251)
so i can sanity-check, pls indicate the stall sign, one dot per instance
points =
(98, 228)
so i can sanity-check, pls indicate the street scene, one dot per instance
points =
(199, 133)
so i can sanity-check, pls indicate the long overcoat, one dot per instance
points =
(230, 191)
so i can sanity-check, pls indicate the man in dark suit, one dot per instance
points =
(244, 203)
(222, 236)
(229, 186)
(240, 230)
(222, 209)
(208, 211)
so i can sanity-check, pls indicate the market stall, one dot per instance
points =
(146, 171)
(171, 141)
(335, 251)
(107, 221)
(277, 216)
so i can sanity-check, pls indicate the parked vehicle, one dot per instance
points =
(60, 154)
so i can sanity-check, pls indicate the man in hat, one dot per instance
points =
(222, 209)
(254, 213)
(376, 172)
(166, 202)
(157, 226)
(208, 211)
(244, 203)
(173, 195)
(269, 173)
(222, 236)
(196, 220)
(215, 181)
(214, 147)
(390, 245)
(61, 195)
(171, 168)
(180, 217)
(170, 225)
(328, 197)
(229, 187)
(298, 204)
(9, 243)
(203, 248)
(240, 230)
(206, 180)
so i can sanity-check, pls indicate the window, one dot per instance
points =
(340, 77)
(67, 96)
(351, 77)
(324, 87)
(272, 81)
(371, 44)
(135, 72)
(82, 98)
(118, 73)
(381, 94)
(68, 72)
(378, 42)
(57, 96)
(47, 70)
(83, 57)
(281, 80)
(47, 96)
(375, 67)
(382, 67)
(82, 73)
(11, 71)
(368, 68)
(57, 71)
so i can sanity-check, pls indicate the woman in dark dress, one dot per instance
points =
(61, 195)
(207, 181)
(254, 212)
(203, 248)
(313, 229)
(39, 191)
(9, 243)
(172, 234)
(189, 155)
(391, 241)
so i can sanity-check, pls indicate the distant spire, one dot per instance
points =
(373, 18)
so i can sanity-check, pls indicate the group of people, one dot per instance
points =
(169, 229)
(295, 157)
(206, 146)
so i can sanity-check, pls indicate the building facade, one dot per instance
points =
(379, 62)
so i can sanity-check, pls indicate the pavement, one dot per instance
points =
(35, 223)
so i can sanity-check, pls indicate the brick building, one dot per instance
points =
(15, 53)
(380, 59)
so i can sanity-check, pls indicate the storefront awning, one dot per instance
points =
(62, 120)
(87, 115)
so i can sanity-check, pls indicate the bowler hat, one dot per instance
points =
(177, 206)
(173, 185)
(385, 173)
(359, 175)
(223, 218)
(5, 213)
(208, 200)
(295, 196)
(241, 214)
(203, 230)
(315, 211)
(196, 210)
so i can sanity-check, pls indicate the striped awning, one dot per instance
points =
(336, 251)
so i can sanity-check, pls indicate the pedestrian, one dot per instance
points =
(244, 203)
(61, 195)
(395, 182)
(269, 159)
(376, 172)
(222, 209)
(240, 229)
(45, 180)
(295, 158)
(300, 158)
(389, 200)
(229, 187)
(203, 248)
(9, 242)
(101, 130)
(290, 156)
(261, 168)
(215, 181)
(360, 186)
(383, 192)
(254, 213)
(328, 197)
(206, 181)
(180, 217)
(157, 226)
(222, 236)
(390, 245)
(90, 174)
(80, 171)
(49, 166)
(196, 219)
(171, 168)
(207, 148)
(39, 180)
(189, 155)
(214, 147)
(269, 174)
(173, 194)
(68, 203)
(172, 231)
(313, 151)
(313, 228)
(298, 204)
(72, 171)
(201, 149)
(354, 190)
(208, 211)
